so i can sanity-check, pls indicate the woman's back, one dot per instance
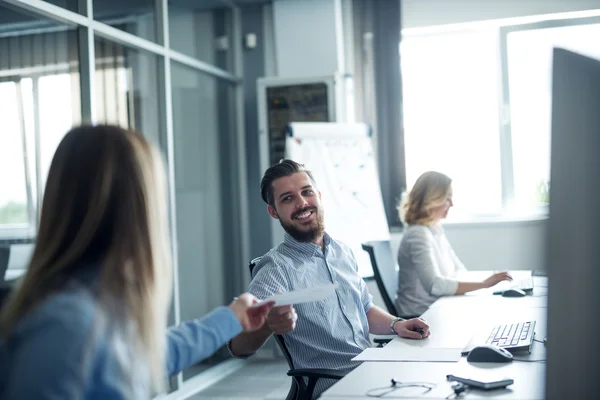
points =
(88, 319)
(413, 297)
(101, 261)
(63, 348)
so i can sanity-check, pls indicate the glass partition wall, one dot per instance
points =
(168, 69)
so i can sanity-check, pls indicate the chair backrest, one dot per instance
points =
(253, 264)
(281, 343)
(385, 270)
(5, 290)
(4, 257)
(278, 338)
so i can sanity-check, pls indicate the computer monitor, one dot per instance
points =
(573, 247)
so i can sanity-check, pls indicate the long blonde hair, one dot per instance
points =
(105, 204)
(430, 190)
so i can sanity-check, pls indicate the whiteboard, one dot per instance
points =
(341, 158)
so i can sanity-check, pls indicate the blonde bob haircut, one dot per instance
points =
(104, 209)
(430, 191)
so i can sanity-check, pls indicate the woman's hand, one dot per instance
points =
(251, 317)
(497, 278)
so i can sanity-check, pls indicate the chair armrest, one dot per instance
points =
(317, 373)
(380, 342)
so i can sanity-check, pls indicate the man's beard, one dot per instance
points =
(305, 235)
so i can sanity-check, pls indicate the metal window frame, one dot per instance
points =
(87, 30)
(74, 19)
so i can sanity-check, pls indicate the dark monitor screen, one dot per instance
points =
(573, 247)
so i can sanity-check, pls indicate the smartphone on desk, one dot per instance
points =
(481, 382)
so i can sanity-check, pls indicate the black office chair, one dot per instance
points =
(5, 290)
(4, 257)
(385, 271)
(303, 379)
(5, 287)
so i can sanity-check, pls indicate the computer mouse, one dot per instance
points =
(489, 353)
(513, 293)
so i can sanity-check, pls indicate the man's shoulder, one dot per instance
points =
(272, 260)
(339, 244)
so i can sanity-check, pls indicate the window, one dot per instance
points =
(24, 101)
(450, 97)
(58, 112)
(127, 89)
(454, 86)
(39, 102)
(530, 86)
(202, 126)
(134, 17)
(15, 196)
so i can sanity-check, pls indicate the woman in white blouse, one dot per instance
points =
(428, 265)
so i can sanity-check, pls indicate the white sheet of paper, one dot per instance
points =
(302, 296)
(409, 354)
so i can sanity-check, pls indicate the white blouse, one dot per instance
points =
(428, 267)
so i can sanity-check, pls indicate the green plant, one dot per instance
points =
(543, 192)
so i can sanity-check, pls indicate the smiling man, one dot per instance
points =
(321, 334)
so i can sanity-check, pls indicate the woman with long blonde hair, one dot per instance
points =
(428, 264)
(88, 319)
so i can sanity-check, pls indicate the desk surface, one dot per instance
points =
(528, 377)
(453, 321)
(13, 274)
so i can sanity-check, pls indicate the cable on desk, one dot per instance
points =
(524, 360)
(539, 341)
(384, 391)
(457, 390)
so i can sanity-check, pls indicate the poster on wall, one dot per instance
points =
(306, 102)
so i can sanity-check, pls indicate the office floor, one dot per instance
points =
(260, 379)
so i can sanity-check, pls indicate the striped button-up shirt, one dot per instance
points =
(330, 332)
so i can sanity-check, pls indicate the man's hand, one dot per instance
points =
(497, 278)
(282, 319)
(415, 328)
(251, 318)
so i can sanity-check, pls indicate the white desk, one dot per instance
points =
(453, 321)
(528, 376)
(12, 274)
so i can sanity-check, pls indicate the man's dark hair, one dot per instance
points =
(283, 168)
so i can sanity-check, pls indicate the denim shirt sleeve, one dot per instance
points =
(194, 340)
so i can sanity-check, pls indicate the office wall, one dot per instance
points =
(497, 245)
(258, 62)
(308, 37)
(420, 13)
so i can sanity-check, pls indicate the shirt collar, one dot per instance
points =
(306, 247)
(436, 229)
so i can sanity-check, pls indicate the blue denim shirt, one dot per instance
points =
(52, 354)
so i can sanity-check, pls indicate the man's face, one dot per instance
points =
(298, 207)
